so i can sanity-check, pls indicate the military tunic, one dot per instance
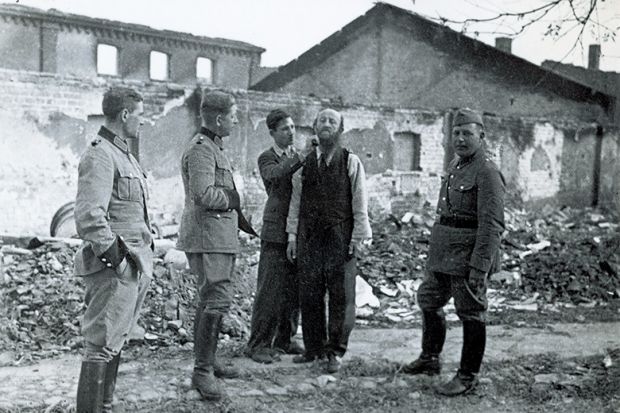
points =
(208, 231)
(111, 206)
(466, 235)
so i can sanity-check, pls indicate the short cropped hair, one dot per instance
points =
(214, 103)
(118, 98)
(275, 117)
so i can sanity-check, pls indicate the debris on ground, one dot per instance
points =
(552, 258)
(567, 256)
(43, 300)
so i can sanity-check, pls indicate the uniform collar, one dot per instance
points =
(114, 139)
(213, 136)
(466, 161)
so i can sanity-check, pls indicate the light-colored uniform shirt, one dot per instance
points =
(359, 201)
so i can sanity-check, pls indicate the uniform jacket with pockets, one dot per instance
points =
(208, 223)
(472, 191)
(111, 201)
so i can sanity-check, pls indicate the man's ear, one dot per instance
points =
(123, 115)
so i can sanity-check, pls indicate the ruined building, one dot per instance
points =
(395, 76)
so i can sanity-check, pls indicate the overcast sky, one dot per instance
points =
(287, 28)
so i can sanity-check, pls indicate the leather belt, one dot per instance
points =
(456, 222)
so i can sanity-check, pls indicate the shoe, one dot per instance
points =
(207, 385)
(428, 365)
(295, 348)
(225, 371)
(333, 363)
(306, 358)
(461, 383)
(264, 356)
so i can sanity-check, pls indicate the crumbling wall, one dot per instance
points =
(609, 195)
(578, 154)
(48, 121)
(37, 176)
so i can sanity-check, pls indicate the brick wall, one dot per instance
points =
(31, 39)
(393, 67)
(49, 119)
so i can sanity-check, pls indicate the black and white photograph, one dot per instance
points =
(288, 206)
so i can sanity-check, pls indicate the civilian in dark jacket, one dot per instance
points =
(275, 315)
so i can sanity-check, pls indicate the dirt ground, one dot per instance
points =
(567, 367)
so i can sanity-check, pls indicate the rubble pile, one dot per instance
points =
(42, 302)
(393, 268)
(563, 255)
(549, 255)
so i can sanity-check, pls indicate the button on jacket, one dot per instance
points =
(111, 201)
(472, 193)
(208, 224)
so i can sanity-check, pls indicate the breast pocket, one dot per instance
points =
(223, 172)
(464, 196)
(128, 187)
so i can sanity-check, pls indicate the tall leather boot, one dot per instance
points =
(205, 347)
(110, 383)
(433, 339)
(220, 370)
(474, 342)
(90, 387)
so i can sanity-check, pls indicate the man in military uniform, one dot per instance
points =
(275, 315)
(208, 234)
(464, 249)
(115, 259)
(327, 224)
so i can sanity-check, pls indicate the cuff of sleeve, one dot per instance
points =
(292, 237)
(479, 263)
(114, 255)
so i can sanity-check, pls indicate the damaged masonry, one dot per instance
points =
(557, 145)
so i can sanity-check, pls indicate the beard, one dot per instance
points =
(328, 140)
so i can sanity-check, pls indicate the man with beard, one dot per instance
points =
(275, 315)
(208, 234)
(115, 259)
(327, 225)
(464, 249)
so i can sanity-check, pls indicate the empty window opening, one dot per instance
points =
(107, 59)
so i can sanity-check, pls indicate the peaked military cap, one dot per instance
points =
(217, 100)
(465, 116)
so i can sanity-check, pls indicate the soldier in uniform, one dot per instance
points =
(115, 259)
(464, 249)
(275, 315)
(208, 234)
(327, 224)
